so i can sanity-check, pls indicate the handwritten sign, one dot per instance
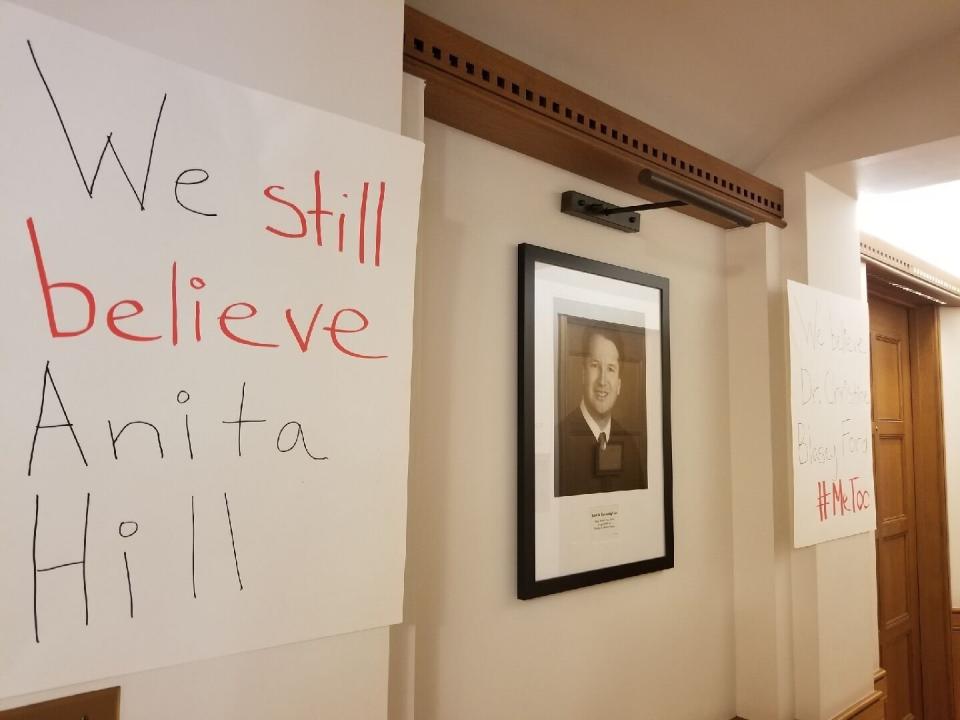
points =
(207, 309)
(830, 402)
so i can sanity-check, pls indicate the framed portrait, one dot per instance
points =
(595, 472)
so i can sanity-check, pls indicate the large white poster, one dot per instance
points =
(207, 303)
(830, 403)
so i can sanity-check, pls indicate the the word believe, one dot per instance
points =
(835, 338)
(124, 310)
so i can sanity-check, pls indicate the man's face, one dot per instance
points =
(601, 377)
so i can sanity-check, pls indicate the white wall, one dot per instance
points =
(655, 646)
(760, 503)
(950, 369)
(337, 55)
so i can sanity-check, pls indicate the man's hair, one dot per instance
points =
(605, 332)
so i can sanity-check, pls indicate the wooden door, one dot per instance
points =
(897, 578)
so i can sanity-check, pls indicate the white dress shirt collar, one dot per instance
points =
(594, 427)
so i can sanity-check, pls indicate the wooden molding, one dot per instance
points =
(475, 88)
(910, 280)
(955, 644)
(97, 705)
(870, 708)
(880, 685)
(888, 288)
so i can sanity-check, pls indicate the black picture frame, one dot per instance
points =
(646, 363)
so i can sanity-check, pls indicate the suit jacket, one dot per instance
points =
(577, 459)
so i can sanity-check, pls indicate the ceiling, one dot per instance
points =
(913, 167)
(732, 78)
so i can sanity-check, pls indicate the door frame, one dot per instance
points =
(933, 553)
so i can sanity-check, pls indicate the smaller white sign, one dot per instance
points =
(833, 493)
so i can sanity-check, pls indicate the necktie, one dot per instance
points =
(602, 440)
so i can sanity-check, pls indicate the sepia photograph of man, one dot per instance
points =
(601, 438)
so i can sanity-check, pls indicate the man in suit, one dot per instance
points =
(596, 454)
